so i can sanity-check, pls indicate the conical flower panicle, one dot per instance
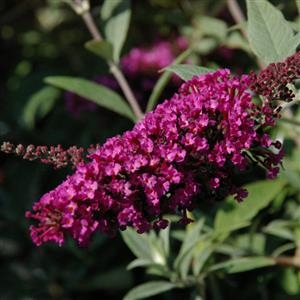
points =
(184, 152)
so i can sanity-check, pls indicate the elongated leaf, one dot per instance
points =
(138, 244)
(193, 231)
(232, 214)
(297, 42)
(187, 72)
(295, 24)
(270, 35)
(290, 281)
(156, 247)
(293, 177)
(185, 264)
(251, 243)
(178, 235)
(243, 264)
(281, 228)
(39, 104)
(102, 48)
(149, 289)
(209, 26)
(189, 246)
(116, 17)
(139, 262)
(94, 92)
(201, 254)
(158, 271)
(164, 236)
(230, 250)
(205, 46)
(286, 247)
(236, 41)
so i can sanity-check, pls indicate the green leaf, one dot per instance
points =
(239, 26)
(39, 104)
(102, 48)
(158, 270)
(187, 72)
(201, 253)
(139, 262)
(94, 92)
(290, 282)
(149, 289)
(277, 203)
(192, 237)
(205, 45)
(292, 176)
(270, 35)
(116, 17)
(283, 248)
(164, 237)
(281, 228)
(254, 243)
(297, 42)
(185, 263)
(243, 264)
(295, 24)
(236, 41)
(232, 215)
(210, 27)
(230, 250)
(178, 235)
(137, 243)
(156, 247)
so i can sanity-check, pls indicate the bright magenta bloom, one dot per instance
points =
(184, 152)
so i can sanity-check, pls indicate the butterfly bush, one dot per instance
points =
(183, 153)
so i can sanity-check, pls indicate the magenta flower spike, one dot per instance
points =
(184, 152)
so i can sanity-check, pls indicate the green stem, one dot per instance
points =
(114, 68)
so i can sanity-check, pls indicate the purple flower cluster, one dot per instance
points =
(149, 61)
(184, 152)
(272, 81)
